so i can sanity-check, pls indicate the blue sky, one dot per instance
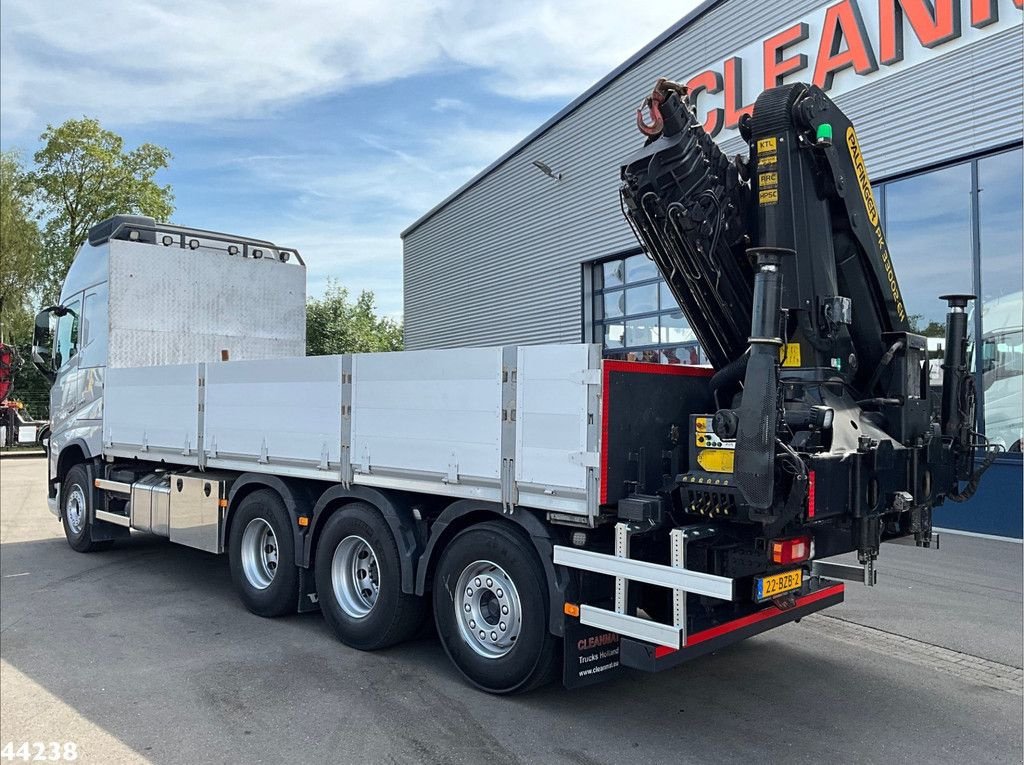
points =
(325, 126)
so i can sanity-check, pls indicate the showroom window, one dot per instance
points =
(929, 220)
(636, 317)
(1001, 243)
(928, 224)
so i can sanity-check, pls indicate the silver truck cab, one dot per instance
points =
(70, 347)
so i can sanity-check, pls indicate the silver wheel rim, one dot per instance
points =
(259, 553)
(355, 576)
(75, 509)
(488, 609)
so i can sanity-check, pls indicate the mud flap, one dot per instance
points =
(308, 601)
(591, 655)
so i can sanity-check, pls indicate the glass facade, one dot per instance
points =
(636, 316)
(952, 229)
(927, 219)
(1000, 205)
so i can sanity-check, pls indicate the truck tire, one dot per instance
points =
(491, 609)
(76, 510)
(359, 581)
(261, 554)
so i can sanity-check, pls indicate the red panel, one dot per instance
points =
(605, 374)
(646, 367)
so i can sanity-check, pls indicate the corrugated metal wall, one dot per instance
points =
(501, 263)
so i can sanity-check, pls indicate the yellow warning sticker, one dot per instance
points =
(701, 424)
(765, 145)
(768, 160)
(768, 196)
(768, 179)
(716, 460)
(789, 355)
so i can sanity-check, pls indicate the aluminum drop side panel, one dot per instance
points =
(436, 414)
(284, 413)
(152, 412)
(557, 417)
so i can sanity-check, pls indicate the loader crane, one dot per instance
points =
(781, 265)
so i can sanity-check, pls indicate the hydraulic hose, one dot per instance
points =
(731, 375)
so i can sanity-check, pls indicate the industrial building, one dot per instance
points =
(534, 249)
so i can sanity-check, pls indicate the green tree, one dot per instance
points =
(931, 329)
(19, 251)
(19, 279)
(334, 324)
(83, 174)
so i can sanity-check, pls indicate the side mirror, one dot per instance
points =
(42, 342)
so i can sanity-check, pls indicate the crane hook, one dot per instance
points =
(662, 88)
(653, 105)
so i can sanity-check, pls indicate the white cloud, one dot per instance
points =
(449, 105)
(555, 49)
(328, 219)
(137, 61)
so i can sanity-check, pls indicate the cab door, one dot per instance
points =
(65, 394)
(92, 358)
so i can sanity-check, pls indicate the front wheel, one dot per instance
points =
(491, 609)
(76, 512)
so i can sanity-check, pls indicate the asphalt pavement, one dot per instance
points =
(143, 653)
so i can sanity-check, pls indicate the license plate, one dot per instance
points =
(767, 587)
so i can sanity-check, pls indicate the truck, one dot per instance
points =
(17, 426)
(551, 511)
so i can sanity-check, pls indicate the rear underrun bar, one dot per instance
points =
(653, 658)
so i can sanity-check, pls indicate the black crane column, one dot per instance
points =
(758, 412)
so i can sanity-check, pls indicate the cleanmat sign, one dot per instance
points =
(843, 45)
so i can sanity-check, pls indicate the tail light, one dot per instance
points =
(811, 481)
(793, 550)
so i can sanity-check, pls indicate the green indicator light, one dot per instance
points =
(824, 133)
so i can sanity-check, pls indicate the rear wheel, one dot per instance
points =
(77, 512)
(359, 582)
(261, 552)
(491, 609)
